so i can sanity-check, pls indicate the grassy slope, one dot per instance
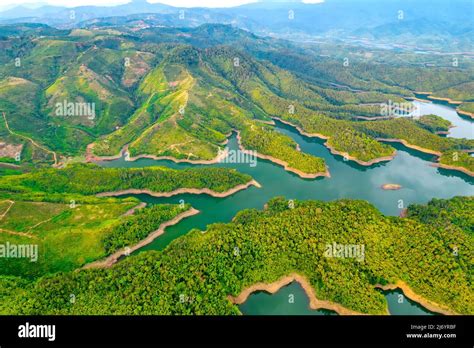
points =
(67, 238)
(54, 209)
(195, 107)
(17, 100)
(215, 94)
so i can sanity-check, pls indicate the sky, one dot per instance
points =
(177, 3)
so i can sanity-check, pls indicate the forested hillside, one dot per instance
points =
(168, 92)
(57, 210)
(196, 273)
(89, 179)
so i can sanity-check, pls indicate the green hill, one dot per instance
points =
(179, 93)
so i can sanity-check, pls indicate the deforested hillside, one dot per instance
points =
(179, 93)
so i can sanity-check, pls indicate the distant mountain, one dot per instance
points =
(69, 16)
(386, 19)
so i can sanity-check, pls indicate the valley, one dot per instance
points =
(412, 169)
(204, 165)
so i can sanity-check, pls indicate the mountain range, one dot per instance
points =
(392, 20)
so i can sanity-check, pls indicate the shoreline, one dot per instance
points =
(336, 152)
(216, 159)
(430, 99)
(407, 144)
(309, 135)
(360, 162)
(112, 259)
(449, 100)
(409, 293)
(367, 118)
(90, 157)
(314, 302)
(431, 152)
(195, 191)
(465, 113)
(450, 167)
(381, 159)
(429, 95)
(282, 163)
(419, 99)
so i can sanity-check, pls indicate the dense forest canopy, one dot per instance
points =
(196, 273)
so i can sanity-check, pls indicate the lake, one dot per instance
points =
(463, 125)
(411, 169)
